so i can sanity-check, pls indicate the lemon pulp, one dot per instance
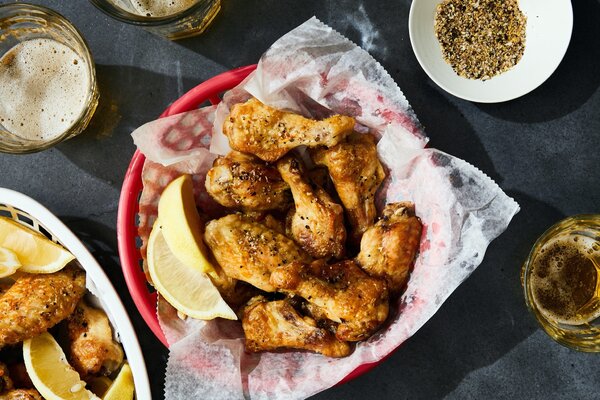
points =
(188, 290)
(50, 372)
(36, 253)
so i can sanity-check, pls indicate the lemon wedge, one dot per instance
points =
(122, 388)
(9, 262)
(181, 225)
(37, 254)
(188, 290)
(50, 372)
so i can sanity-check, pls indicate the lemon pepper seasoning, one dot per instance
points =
(480, 38)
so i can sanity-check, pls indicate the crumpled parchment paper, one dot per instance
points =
(315, 71)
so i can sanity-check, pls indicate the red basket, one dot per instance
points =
(129, 253)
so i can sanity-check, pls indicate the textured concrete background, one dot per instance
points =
(542, 149)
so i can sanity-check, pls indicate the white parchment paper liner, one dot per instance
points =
(315, 71)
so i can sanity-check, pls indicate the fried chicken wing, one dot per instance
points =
(356, 173)
(317, 223)
(92, 349)
(268, 133)
(388, 248)
(248, 250)
(244, 182)
(272, 325)
(37, 302)
(21, 394)
(344, 292)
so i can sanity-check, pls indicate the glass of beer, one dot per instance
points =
(48, 90)
(561, 281)
(173, 19)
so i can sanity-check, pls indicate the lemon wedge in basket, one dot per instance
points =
(181, 225)
(9, 262)
(37, 254)
(188, 290)
(50, 372)
(122, 388)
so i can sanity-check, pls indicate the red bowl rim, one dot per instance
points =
(129, 254)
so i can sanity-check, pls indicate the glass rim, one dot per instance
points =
(91, 101)
(560, 225)
(142, 20)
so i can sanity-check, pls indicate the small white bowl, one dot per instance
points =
(32, 214)
(548, 32)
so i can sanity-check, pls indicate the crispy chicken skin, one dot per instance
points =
(249, 251)
(37, 302)
(344, 291)
(356, 173)
(244, 182)
(388, 248)
(317, 223)
(21, 394)
(269, 134)
(92, 350)
(272, 325)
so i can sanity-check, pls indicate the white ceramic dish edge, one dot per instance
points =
(101, 286)
(549, 30)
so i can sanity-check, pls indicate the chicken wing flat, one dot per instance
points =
(37, 302)
(92, 349)
(249, 251)
(388, 248)
(21, 394)
(272, 325)
(344, 292)
(356, 174)
(317, 223)
(269, 134)
(244, 182)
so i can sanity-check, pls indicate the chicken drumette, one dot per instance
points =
(356, 173)
(388, 248)
(244, 182)
(249, 251)
(344, 292)
(92, 349)
(268, 133)
(37, 302)
(317, 223)
(272, 325)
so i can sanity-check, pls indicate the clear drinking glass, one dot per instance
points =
(189, 17)
(561, 281)
(22, 25)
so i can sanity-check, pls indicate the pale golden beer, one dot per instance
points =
(561, 280)
(48, 89)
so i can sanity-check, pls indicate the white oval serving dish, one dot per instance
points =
(32, 214)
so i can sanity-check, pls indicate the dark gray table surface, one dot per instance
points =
(542, 149)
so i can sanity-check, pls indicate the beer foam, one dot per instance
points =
(44, 87)
(564, 279)
(161, 8)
